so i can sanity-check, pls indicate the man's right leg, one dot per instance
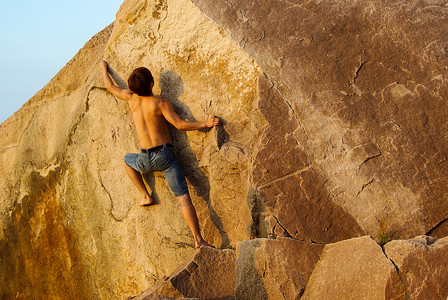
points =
(189, 213)
(137, 179)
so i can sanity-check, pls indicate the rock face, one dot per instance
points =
(366, 83)
(423, 265)
(335, 127)
(274, 269)
(351, 269)
(69, 214)
(210, 274)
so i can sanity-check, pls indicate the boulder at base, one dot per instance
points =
(274, 268)
(209, 275)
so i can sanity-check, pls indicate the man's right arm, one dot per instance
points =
(118, 92)
(172, 117)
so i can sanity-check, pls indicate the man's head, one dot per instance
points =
(141, 82)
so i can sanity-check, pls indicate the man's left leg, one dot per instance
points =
(189, 213)
(137, 179)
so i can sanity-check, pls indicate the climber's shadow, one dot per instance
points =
(172, 86)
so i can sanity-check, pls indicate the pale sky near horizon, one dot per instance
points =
(37, 39)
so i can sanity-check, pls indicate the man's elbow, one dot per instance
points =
(109, 88)
(181, 127)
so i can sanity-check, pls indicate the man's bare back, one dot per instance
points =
(150, 113)
(149, 120)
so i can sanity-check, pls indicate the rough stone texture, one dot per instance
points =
(209, 274)
(298, 204)
(351, 269)
(335, 126)
(423, 268)
(70, 222)
(367, 83)
(41, 251)
(274, 268)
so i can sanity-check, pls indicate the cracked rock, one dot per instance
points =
(274, 268)
(423, 267)
(352, 269)
(209, 274)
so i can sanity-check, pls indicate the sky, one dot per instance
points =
(37, 39)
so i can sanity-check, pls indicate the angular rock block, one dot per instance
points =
(209, 275)
(274, 268)
(351, 269)
(423, 268)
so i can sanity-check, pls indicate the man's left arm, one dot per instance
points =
(124, 94)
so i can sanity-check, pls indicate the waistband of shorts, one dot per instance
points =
(156, 148)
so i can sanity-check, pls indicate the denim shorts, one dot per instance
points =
(162, 160)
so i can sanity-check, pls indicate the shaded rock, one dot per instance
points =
(351, 269)
(366, 82)
(274, 268)
(423, 268)
(209, 275)
(297, 200)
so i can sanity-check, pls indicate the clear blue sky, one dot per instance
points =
(37, 39)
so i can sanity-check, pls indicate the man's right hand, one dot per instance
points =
(103, 65)
(213, 121)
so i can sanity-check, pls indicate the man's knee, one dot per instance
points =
(184, 200)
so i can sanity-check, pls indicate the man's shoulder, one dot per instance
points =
(148, 99)
(153, 98)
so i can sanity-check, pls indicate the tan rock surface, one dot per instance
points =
(64, 194)
(335, 126)
(351, 269)
(210, 274)
(423, 268)
(274, 269)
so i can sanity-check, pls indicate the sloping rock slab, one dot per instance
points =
(351, 269)
(367, 83)
(294, 194)
(209, 275)
(423, 268)
(274, 268)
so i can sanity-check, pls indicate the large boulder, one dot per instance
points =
(423, 267)
(274, 268)
(209, 274)
(360, 269)
(351, 269)
(366, 129)
(69, 214)
(335, 126)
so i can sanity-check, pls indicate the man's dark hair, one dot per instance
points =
(140, 81)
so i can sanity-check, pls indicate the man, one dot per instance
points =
(150, 114)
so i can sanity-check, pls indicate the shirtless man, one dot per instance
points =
(150, 114)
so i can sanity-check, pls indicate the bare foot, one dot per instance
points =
(146, 201)
(198, 245)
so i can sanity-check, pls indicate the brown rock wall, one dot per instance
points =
(298, 203)
(422, 264)
(366, 82)
(39, 249)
